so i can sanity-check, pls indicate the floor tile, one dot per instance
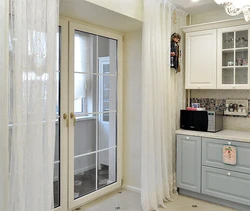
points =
(125, 200)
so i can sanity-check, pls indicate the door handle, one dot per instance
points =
(65, 117)
(72, 116)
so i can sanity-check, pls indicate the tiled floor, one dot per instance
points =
(125, 200)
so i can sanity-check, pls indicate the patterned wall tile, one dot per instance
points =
(216, 99)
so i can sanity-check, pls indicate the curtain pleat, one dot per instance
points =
(32, 103)
(159, 105)
(4, 54)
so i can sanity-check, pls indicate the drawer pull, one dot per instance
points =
(229, 143)
(228, 173)
(187, 137)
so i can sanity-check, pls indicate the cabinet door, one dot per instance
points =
(233, 69)
(201, 60)
(189, 163)
(228, 185)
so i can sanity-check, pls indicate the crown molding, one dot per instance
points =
(214, 25)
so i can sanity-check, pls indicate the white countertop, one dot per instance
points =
(233, 135)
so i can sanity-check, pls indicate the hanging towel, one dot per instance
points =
(229, 155)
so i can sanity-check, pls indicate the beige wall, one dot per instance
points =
(132, 109)
(217, 15)
(130, 8)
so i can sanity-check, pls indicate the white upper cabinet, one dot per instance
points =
(233, 57)
(217, 55)
(201, 60)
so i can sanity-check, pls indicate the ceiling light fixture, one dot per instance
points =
(235, 7)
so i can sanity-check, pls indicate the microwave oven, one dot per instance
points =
(211, 121)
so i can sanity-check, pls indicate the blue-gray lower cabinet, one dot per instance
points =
(212, 155)
(189, 163)
(228, 185)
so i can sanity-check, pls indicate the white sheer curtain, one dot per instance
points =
(160, 105)
(4, 16)
(33, 27)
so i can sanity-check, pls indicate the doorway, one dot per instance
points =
(88, 156)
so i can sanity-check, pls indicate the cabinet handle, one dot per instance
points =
(187, 137)
(228, 173)
(229, 143)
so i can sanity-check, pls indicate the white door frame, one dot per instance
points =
(63, 124)
(98, 31)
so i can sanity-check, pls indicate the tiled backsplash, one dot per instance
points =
(210, 103)
(216, 99)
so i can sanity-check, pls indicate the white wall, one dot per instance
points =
(217, 15)
(132, 109)
(130, 8)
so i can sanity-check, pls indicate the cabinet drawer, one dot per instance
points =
(212, 154)
(228, 185)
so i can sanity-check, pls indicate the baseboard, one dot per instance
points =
(214, 200)
(132, 188)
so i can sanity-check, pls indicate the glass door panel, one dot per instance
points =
(57, 141)
(228, 76)
(106, 167)
(228, 40)
(228, 58)
(242, 39)
(107, 96)
(234, 59)
(241, 75)
(93, 115)
(85, 174)
(241, 57)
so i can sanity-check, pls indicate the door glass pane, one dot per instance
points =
(228, 40)
(57, 133)
(241, 75)
(85, 175)
(56, 184)
(241, 39)
(107, 49)
(95, 99)
(227, 76)
(85, 94)
(85, 136)
(107, 130)
(85, 52)
(106, 167)
(107, 93)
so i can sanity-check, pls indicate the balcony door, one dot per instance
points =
(88, 132)
(94, 158)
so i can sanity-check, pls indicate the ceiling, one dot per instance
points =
(83, 11)
(198, 6)
(91, 13)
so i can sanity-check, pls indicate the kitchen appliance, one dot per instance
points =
(211, 121)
